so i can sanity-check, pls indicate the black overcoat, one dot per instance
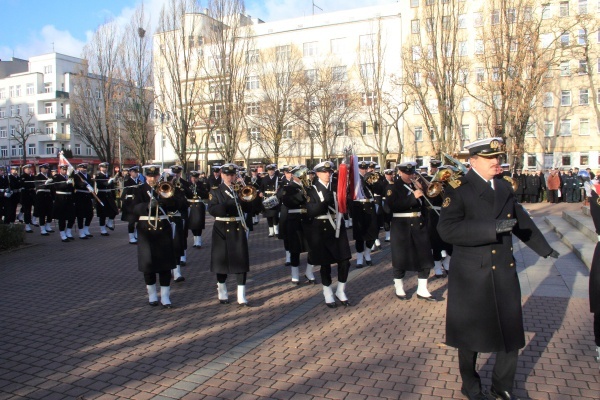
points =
(197, 209)
(364, 215)
(229, 251)
(64, 204)
(484, 297)
(291, 224)
(595, 270)
(269, 186)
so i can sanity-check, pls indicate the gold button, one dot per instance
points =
(512, 264)
(227, 230)
(493, 251)
(411, 224)
(511, 249)
(493, 267)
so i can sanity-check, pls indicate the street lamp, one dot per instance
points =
(167, 115)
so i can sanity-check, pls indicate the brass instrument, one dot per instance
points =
(302, 174)
(245, 192)
(417, 184)
(513, 182)
(165, 189)
(372, 178)
(433, 188)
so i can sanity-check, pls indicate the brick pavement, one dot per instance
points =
(75, 324)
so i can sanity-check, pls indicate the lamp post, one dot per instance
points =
(167, 115)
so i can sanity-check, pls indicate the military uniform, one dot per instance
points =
(484, 298)
(195, 192)
(179, 219)
(84, 204)
(43, 200)
(441, 251)
(365, 228)
(27, 197)
(594, 285)
(64, 204)
(13, 196)
(268, 186)
(130, 186)
(229, 251)
(4, 191)
(106, 213)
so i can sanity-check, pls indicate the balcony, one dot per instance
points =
(54, 95)
(50, 137)
(53, 116)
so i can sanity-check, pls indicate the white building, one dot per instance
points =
(34, 97)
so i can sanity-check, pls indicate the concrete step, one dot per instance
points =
(574, 239)
(583, 223)
(586, 210)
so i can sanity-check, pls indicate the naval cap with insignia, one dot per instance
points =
(103, 165)
(505, 165)
(389, 172)
(14, 167)
(488, 147)
(271, 167)
(229, 169)
(135, 168)
(64, 166)
(26, 166)
(408, 167)
(151, 170)
(2, 168)
(44, 166)
(195, 174)
(297, 168)
(435, 163)
(176, 169)
(216, 167)
(363, 165)
(372, 164)
(325, 166)
(286, 168)
(82, 165)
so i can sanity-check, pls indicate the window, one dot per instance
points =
(565, 127)
(16, 150)
(18, 91)
(584, 97)
(252, 108)
(598, 65)
(339, 73)
(215, 112)
(338, 46)
(584, 127)
(11, 91)
(583, 67)
(528, 13)
(480, 75)
(583, 7)
(463, 76)
(531, 160)
(31, 129)
(565, 98)
(418, 107)
(548, 99)
(462, 21)
(287, 132)
(563, 10)
(415, 28)
(530, 129)
(254, 133)
(18, 109)
(88, 150)
(2, 113)
(480, 131)
(414, 3)
(49, 148)
(31, 149)
(464, 132)
(310, 49)
(3, 90)
(584, 159)
(464, 104)
(478, 19)
(77, 151)
(598, 96)
(495, 74)
(252, 82)
(30, 110)
(311, 75)
(47, 87)
(416, 53)
(418, 134)
(366, 42)
(564, 39)
(4, 151)
(429, 25)
(582, 37)
(48, 109)
(47, 69)
(433, 106)
(283, 52)
(548, 129)
(367, 71)
(479, 46)
(49, 129)
(365, 128)
(565, 69)
(445, 22)
(511, 15)
(252, 56)
(495, 17)
(566, 160)
(3, 132)
(368, 98)
(340, 129)
(463, 49)
(12, 130)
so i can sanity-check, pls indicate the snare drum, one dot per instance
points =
(270, 202)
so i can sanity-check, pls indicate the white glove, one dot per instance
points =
(7, 194)
(70, 181)
(89, 188)
(111, 180)
(49, 181)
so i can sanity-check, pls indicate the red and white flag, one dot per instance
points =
(62, 160)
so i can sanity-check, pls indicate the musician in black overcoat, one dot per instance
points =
(365, 228)
(257, 206)
(194, 193)
(14, 195)
(522, 181)
(441, 251)
(181, 186)
(4, 191)
(27, 196)
(326, 233)
(130, 185)
(156, 253)
(268, 187)
(105, 187)
(594, 285)
(484, 312)
(64, 203)
(84, 200)
(387, 215)
(43, 200)
(411, 247)
(229, 252)
(214, 180)
(533, 186)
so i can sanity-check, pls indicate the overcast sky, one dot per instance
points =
(34, 27)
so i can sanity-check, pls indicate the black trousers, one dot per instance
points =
(360, 245)
(597, 328)
(164, 277)
(503, 375)
(423, 274)
(343, 268)
(239, 278)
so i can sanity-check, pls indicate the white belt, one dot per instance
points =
(174, 214)
(325, 216)
(82, 191)
(104, 190)
(364, 200)
(2, 190)
(437, 208)
(64, 193)
(129, 196)
(228, 219)
(407, 215)
(194, 201)
(42, 190)
(297, 211)
(270, 192)
(147, 218)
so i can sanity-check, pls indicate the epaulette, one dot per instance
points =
(455, 183)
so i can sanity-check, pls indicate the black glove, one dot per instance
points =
(153, 203)
(554, 254)
(505, 225)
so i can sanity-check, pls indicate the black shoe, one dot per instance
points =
(287, 264)
(104, 234)
(45, 234)
(132, 242)
(405, 297)
(224, 301)
(271, 235)
(246, 304)
(436, 276)
(310, 281)
(88, 235)
(478, 396)
(168, 306)
(36, 225)
(70, 238)
(153, 303)
(497, 394)
(64, 240)
(180, 279)
(29, 231)
(378, 247)
(369, 262)
(182, 263)
(49, 231)
(331, 305)
(430, 298)
(345, 303)
(297, 283)
(359, 266)
(83, 237)
(112, 228)
(387, 240)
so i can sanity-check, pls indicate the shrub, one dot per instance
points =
(11, 236)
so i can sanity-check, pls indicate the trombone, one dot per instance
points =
(418, 185)
(433, 188)
(245, 192)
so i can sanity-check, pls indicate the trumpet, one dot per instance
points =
(245, 192)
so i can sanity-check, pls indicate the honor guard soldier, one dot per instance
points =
(365, 228)
(43, 200)
(13, 196)
(64, 203)
(177, 218)
(254, 180)
(268, 186)
(130, 186)
(293, 197)
(27, 196)
(197, 211)
(229, 252)
(105, 186)
(84, 205)
(441, 250)
(287, 178)
(411, 248)
(594, 285)
(326, 234)
(215, 179)
(484, 314)
(387, 216)
(505, 170)
(181, 186)
(156, 252)
(4, 190)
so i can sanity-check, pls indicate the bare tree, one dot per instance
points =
(269, 112)
(23, 129)
(518, 49)
(435, 69)
(135, 60)
(96, 93)
(177, 65)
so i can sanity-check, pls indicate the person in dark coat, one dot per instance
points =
(268, 187)
(43, 200)
(533, 186)
(387, 216)
(326, 233)
(105, 187)
(542, 189)
(156, 252)
(411, 247)
(181, 221)
(194, 193)
(12, 195)
(4, 191)
(214, 180)
(570, 184)
(64, 203)
(365, 228)
(84, 205)
(484, 312)
(130, 185)
(441, 251)
(27, 196)
(522, 181)
(594, 285)
(229, 252)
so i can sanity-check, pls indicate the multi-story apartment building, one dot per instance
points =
(34, 104)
